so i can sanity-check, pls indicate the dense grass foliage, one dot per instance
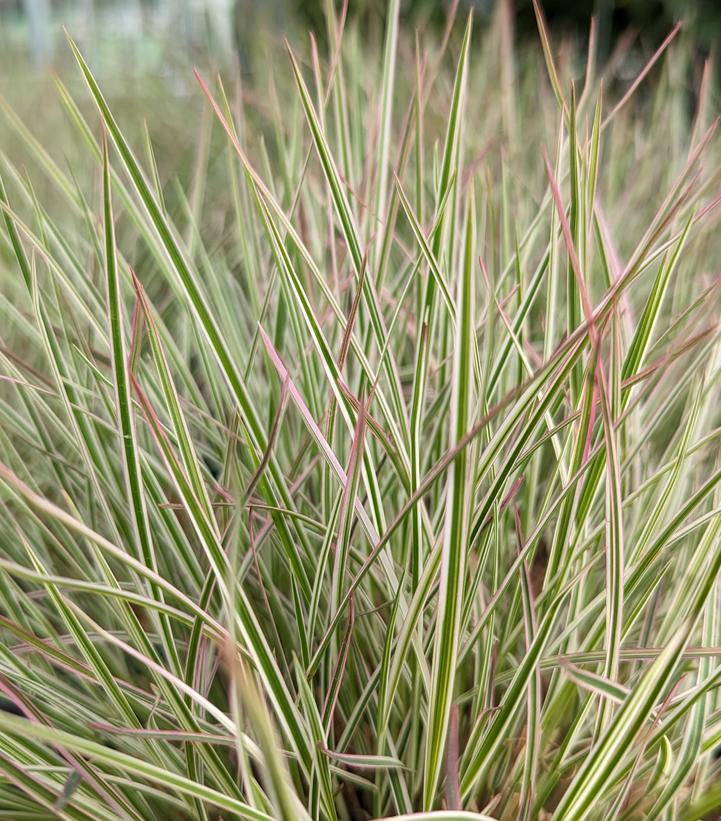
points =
(364, 461)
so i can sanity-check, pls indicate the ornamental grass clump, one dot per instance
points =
(359, 434)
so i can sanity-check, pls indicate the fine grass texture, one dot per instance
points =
(362, 460)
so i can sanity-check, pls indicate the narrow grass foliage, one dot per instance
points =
(359, 435)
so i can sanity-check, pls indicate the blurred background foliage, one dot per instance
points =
(133, 35)
(142, 51)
